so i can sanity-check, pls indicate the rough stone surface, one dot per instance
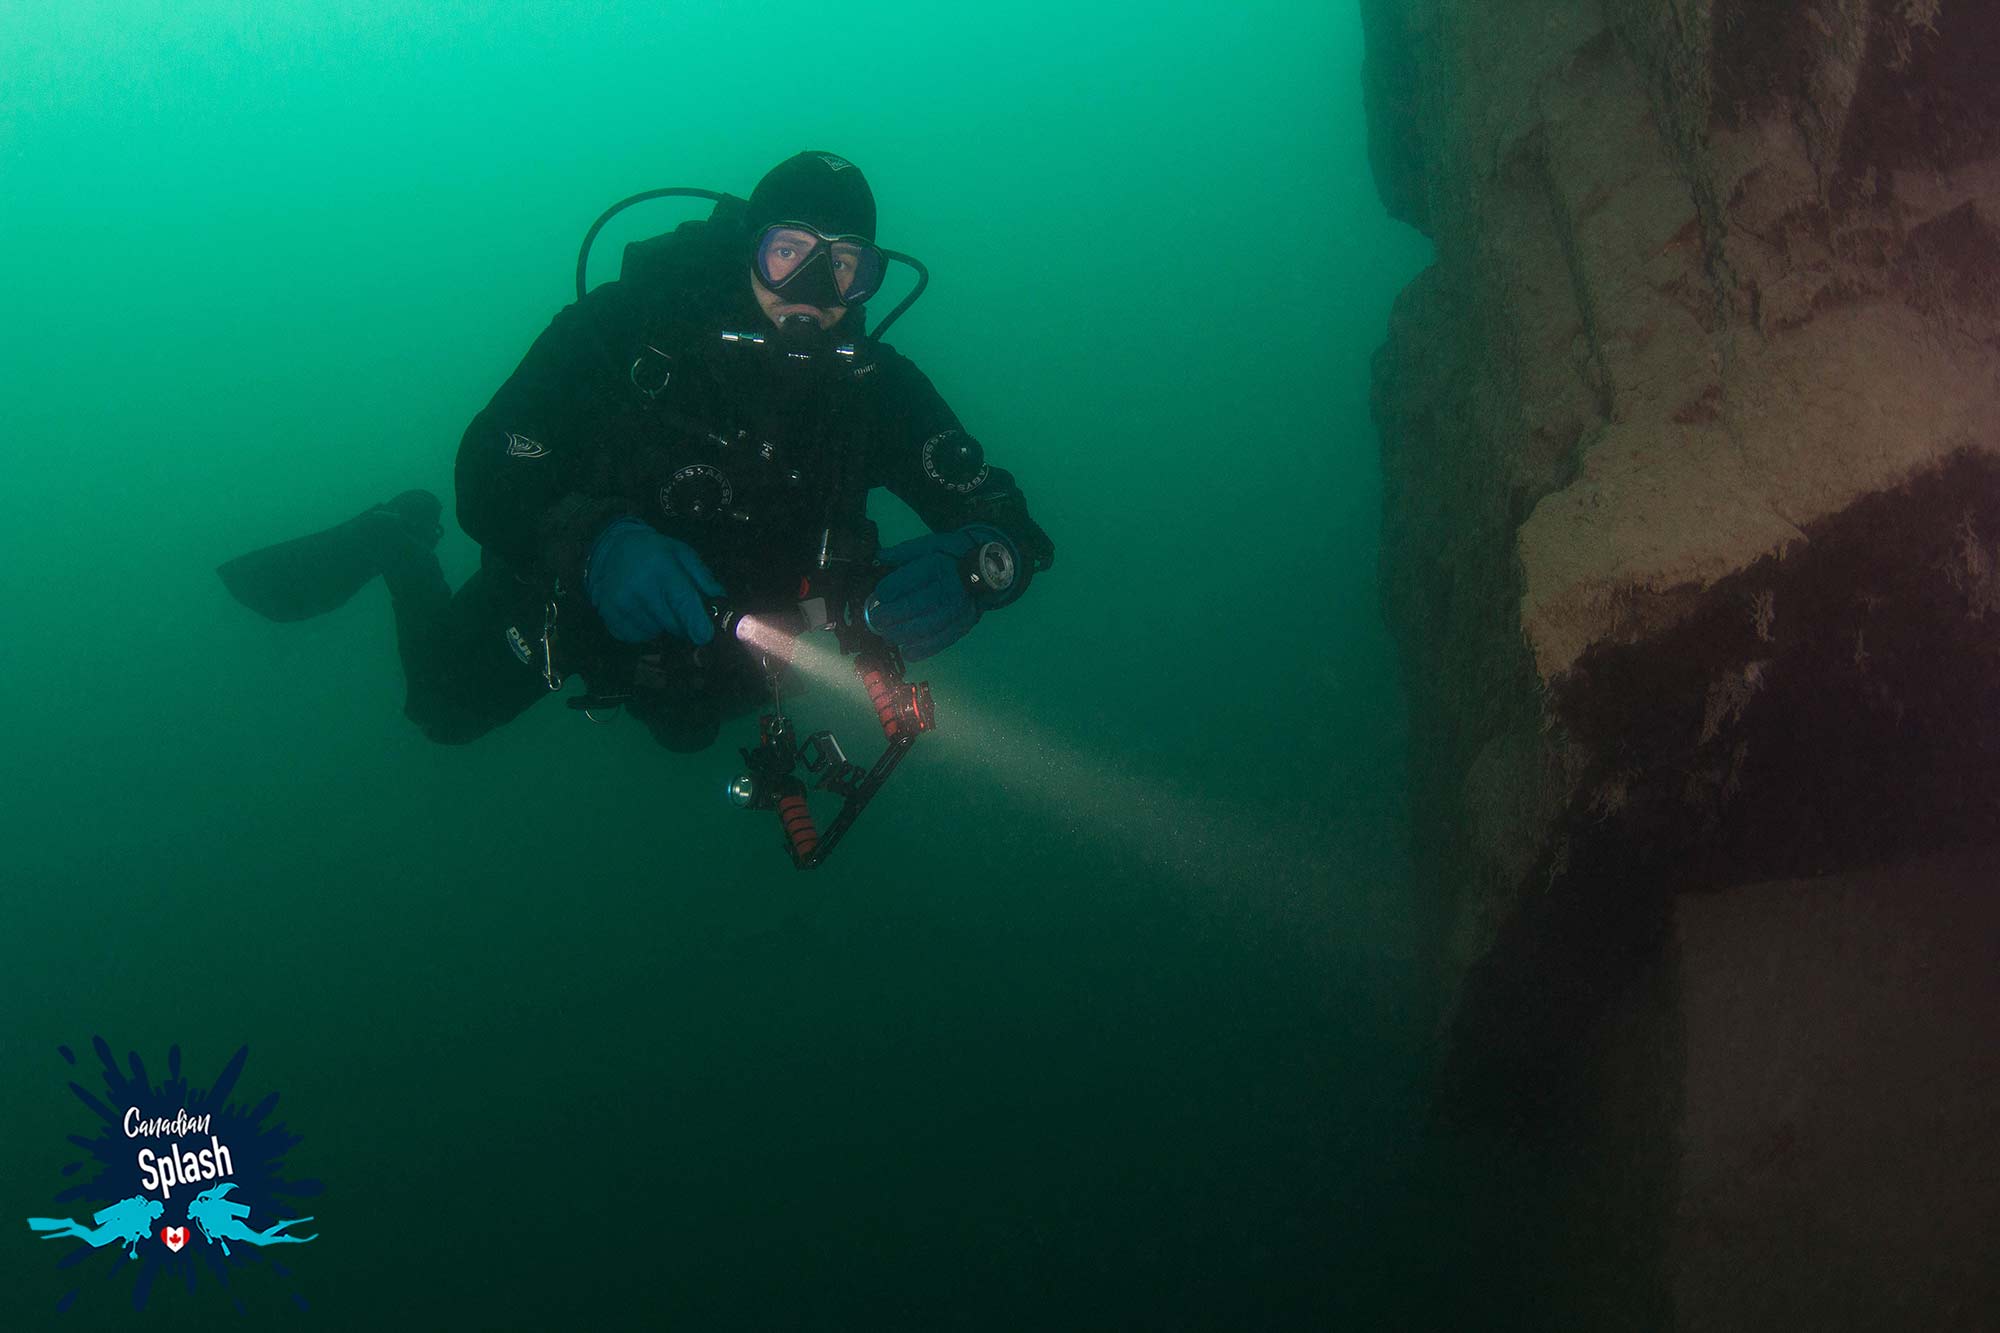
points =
(1836, 1160)
(1691, 449)
(1717, 284)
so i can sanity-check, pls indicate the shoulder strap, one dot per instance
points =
(685, 256)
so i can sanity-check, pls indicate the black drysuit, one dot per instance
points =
(632, 403)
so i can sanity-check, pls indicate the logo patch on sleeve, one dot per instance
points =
(520, 446)
(955, 462)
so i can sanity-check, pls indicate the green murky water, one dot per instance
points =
(1108, 1029)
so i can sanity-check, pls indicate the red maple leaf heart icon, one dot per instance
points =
(175, 1237)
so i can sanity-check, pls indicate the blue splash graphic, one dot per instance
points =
(117, 1190)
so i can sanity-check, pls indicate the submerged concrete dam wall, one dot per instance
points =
(1691, 446)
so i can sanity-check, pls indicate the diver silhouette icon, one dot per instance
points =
(221, 1221)
(128, 1222)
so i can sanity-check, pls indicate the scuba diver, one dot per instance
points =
(129, 1221)
(692, 442)
(221, 1220)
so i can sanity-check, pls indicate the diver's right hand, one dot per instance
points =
(645, 584)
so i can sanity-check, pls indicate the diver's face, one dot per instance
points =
(777, 307)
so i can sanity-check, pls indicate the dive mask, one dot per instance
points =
(802, 264)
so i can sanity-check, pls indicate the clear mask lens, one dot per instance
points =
(785, 250)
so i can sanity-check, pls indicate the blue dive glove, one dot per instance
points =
(922, 604)
(645, 584)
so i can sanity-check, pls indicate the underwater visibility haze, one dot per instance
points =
(1107, 1012)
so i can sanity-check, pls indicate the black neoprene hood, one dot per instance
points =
(823, 190)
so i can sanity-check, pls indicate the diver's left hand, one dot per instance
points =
(922, 605)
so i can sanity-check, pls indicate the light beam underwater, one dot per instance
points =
(1169, 831)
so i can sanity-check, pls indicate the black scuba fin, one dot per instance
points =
(309, 576)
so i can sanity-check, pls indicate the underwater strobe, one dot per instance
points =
(780, 770)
